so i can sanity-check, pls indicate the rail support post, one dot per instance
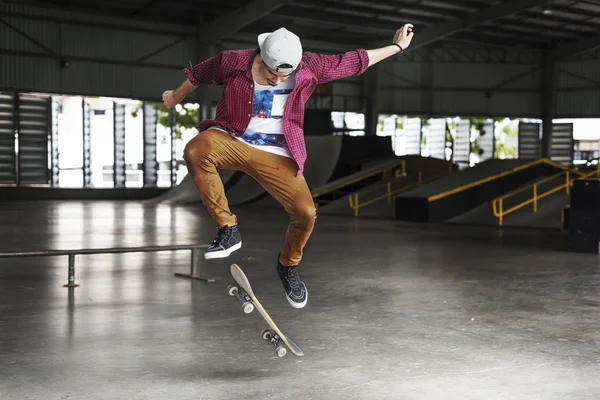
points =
(71, 276)
(501, 213)
(353, 199)
(196, 254)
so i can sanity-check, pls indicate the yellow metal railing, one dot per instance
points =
(497, 176)
(355, 204)
(387, 172)
(499, 203)
(590, 174)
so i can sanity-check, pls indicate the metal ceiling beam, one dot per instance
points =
(226, 25)
(56, 9)
(372, 12)
(28, 37)
(185, 31)
(142, 8)
(574, 48)
(536, 16)
(377, 28)
(443, 30)
(94, 60)
(325, 18)
(589, 55)
(161, 49)
(479, 40)
(308, 44)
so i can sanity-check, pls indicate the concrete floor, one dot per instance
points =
(395, 311)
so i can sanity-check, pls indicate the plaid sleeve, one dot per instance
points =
(331, 67)
(208, 72)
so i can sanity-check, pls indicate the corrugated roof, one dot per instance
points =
(544, 24)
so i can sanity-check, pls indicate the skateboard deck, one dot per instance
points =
(248, 299)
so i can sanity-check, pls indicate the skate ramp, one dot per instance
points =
(548, 215)
(379, 208)
(183, 193)
(549, 208)
(470, 188)
(186, 193)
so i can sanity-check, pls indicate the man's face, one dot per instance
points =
(274, 78)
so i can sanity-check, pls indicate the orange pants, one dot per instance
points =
(213, 149)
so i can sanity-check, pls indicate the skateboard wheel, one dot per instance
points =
(266, 334)
(248, 307)
(232, 290)
(281, 351)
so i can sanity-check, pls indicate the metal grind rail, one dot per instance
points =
(396, 169)
(499, 203)
(355, 204)
(195, 250)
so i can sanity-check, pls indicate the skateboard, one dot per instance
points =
(244, 293)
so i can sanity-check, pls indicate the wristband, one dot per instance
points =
(400, 47)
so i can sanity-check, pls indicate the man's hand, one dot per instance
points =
(173, 97)
(170, 99)
(404, 36)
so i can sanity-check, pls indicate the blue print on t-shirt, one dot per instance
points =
(263, 139)
(263, 102)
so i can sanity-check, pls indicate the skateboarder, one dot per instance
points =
(258, 130)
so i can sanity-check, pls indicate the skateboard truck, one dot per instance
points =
(244, 299)
(275, 340)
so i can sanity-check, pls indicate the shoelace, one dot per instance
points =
(221, 234)
(293, 278)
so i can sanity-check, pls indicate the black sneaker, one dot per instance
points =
(227, 241)
(295, 290)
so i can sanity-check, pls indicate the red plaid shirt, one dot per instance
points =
(233, 68)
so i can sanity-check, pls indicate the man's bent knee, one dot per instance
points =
(199, 148)
(305, 216)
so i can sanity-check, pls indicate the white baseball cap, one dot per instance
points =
(279, 48)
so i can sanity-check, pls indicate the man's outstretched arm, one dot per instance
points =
(402, 39)
(331, 67)
(208, 72)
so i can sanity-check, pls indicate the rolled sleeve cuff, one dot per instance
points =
(189, 73)
(364, 60)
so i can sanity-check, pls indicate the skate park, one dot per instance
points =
(456, 248)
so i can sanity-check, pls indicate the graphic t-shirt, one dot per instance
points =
(264, 131)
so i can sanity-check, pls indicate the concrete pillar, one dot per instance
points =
(204, 94)
(427, 84)
(372, 92)
(549, 77)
